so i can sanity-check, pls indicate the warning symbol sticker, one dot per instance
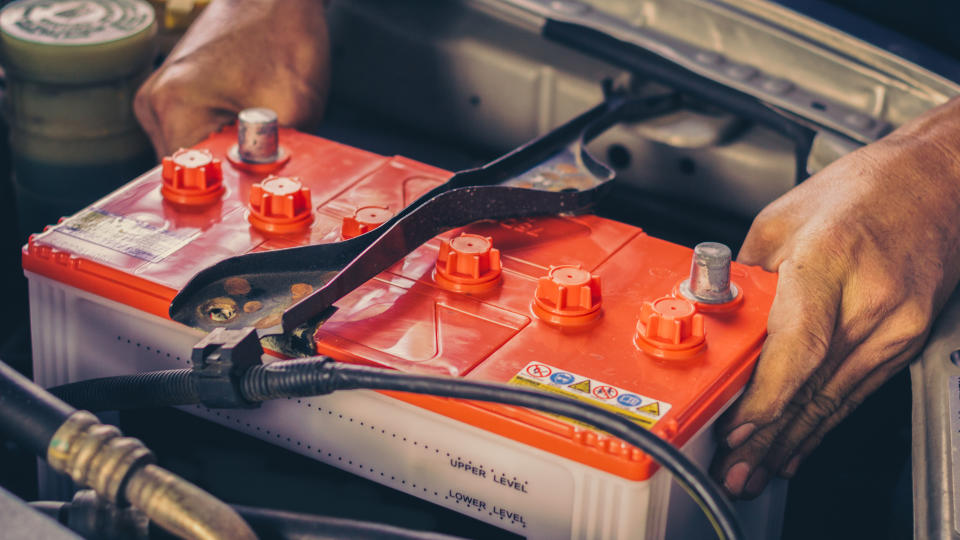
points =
(539, 370)
(605, 392)
(652, 408)
(643, 410)
(582, 386)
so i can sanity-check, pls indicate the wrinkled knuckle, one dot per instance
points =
(812, 342)
(764, 236)
(808, 419)
(821, 406)
(764, 225)
(875, 307)
(763, 439)
(770, 226)
(908, 328)
(802, 397)
(173, 84)
(914, 319)
(794, 407)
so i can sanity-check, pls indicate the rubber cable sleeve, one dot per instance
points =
(28, 414)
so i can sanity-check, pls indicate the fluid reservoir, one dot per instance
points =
(72, 69)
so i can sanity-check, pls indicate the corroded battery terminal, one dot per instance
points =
(709, 281)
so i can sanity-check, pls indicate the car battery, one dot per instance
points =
(579, 305)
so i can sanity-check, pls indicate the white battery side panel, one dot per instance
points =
(78, 335)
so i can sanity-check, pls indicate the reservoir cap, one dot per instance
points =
(77, 41)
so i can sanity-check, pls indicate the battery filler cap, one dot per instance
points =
(568, 296)
(191, 177)
(364, 220)
(468, 263)
(670, 328)
(280, 204)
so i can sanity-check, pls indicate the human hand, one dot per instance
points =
(868, 251)
(238, 54)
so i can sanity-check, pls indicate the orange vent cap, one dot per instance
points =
(280, 204)
(191, 177)
(468, 263)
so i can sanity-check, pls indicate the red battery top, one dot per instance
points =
(582, 306)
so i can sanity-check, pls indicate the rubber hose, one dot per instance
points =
(28, 415)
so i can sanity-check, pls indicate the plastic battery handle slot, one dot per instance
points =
(552, 174)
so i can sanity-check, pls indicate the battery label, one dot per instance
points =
(125, 235)
(643, 410)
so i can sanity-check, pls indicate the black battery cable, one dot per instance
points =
(305, 377)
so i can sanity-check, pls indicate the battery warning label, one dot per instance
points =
(125, 235)
(643, 410)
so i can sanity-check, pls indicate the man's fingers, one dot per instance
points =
(192, 126)
(890, 347)
(203, 122)
(837, 396)
(736, 469)
(800, 328)
(787, 464)
(173, 115)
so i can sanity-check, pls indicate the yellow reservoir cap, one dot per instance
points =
(77, 41)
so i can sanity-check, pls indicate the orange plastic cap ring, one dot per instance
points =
(191, 177)
(364, 220)
(280, 204)
(670, 328)
(469, 263)
(568, 296)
